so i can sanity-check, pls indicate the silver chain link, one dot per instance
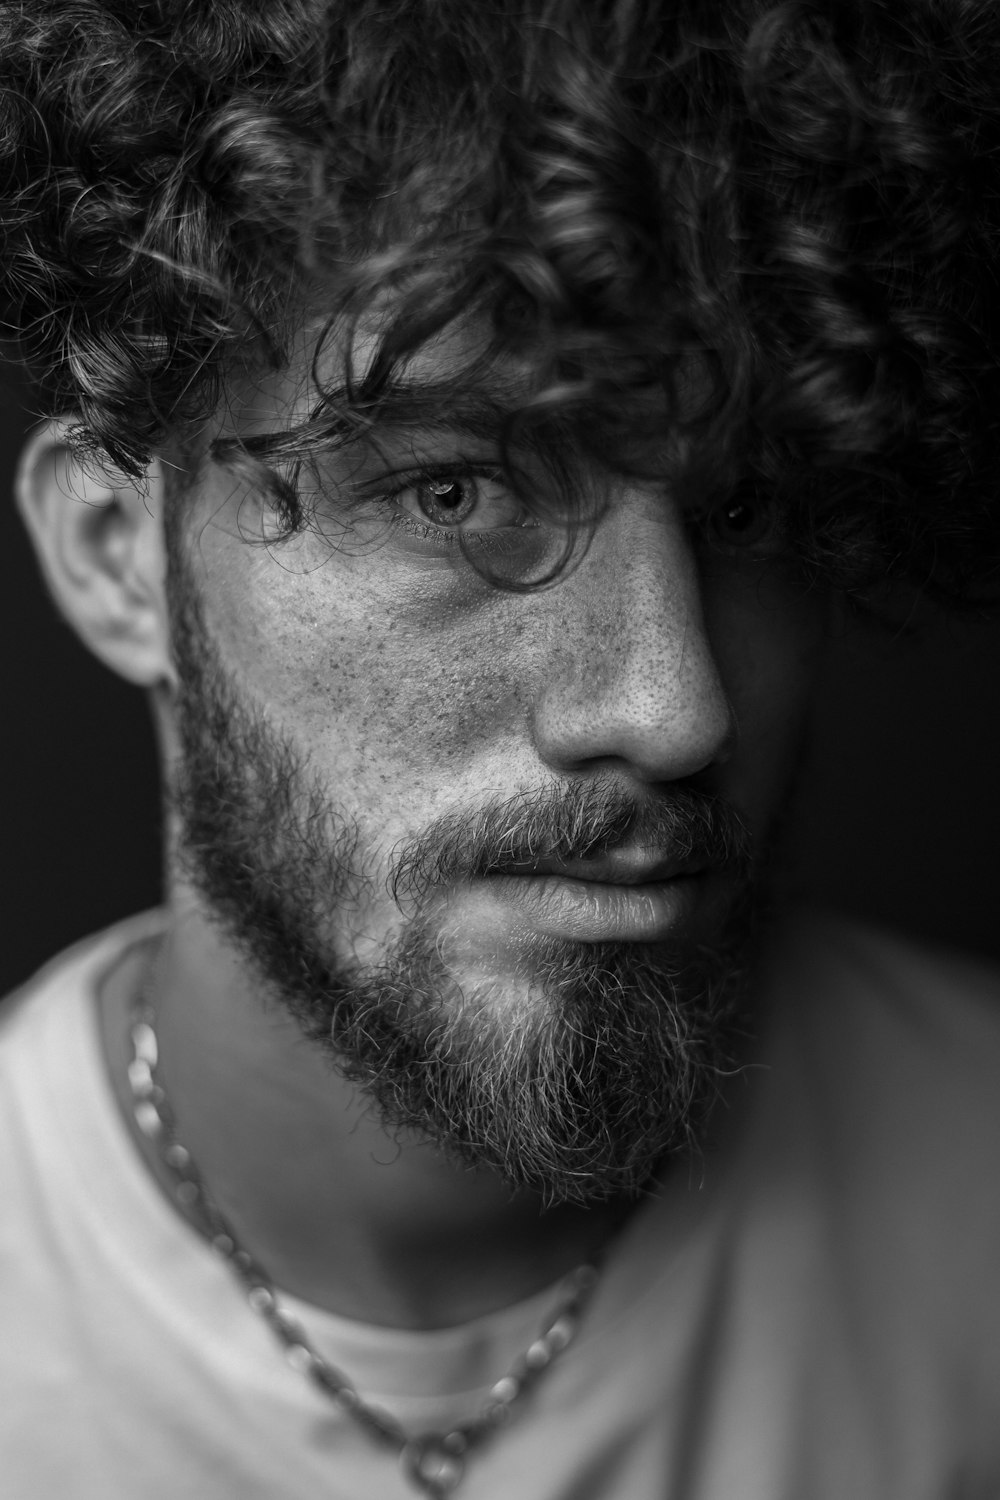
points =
(433, 1462)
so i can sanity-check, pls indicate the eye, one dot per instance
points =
(456, 502)
(745, 519)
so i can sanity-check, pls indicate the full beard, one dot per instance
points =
(575, 1078)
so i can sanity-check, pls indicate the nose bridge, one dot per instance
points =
(633, 676)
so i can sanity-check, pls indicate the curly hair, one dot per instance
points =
(802, 197)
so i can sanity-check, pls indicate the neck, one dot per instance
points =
(372, 1224)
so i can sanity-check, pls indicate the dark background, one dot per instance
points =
(900, 821)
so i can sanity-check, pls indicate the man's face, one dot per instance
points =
(496, 849)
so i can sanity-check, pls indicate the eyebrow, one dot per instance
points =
(475, 412)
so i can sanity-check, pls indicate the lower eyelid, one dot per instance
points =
(426, 529)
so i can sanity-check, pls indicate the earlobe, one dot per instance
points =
(99, 540)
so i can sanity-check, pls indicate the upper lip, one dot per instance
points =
(613, 867)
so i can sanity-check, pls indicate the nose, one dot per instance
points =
(632, 681)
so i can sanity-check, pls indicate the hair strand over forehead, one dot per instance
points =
(802, 197)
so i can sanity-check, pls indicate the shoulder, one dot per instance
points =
(885, 1070)
(45, 1013)
(887, 1053)
(906, 1020)
(897, 1043)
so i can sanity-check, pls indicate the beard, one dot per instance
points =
(574, 1077)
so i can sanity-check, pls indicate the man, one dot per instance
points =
(464, 422)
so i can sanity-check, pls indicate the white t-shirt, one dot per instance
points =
(816, 1316)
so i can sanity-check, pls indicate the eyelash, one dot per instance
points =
(704, 523)
(451, 536)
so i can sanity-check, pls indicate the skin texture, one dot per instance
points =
(413, 689)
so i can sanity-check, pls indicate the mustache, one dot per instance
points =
(573, 821)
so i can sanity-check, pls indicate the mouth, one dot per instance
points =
(623, 895)
(621, 866)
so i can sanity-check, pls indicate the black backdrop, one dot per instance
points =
(900, 822)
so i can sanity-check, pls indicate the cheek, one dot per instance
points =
(392, 701)
(768, 637)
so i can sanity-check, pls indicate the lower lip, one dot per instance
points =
(591, 911)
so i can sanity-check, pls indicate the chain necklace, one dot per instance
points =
(433, 1462)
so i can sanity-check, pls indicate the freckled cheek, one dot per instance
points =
(389, 714)
(430, 722)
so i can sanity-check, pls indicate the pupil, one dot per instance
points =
(739, 516)
(449, 496)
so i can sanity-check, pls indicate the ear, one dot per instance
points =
(99, 540)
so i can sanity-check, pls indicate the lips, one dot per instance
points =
(631, 907)
(629, 893)
(622, 866)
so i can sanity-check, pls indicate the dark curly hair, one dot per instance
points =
(800, 197)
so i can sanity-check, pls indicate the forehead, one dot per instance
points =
(457, 380)
(334, 362)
